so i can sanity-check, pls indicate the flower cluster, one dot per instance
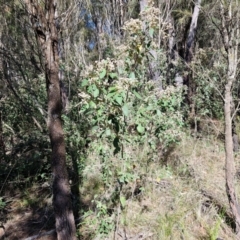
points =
(84, 97)
(169, 91)
(133, 26)
(151, 17)
(93, 71)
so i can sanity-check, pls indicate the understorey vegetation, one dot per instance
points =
(119, 119)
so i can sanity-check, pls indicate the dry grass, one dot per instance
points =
(174, 207)
(171, 203)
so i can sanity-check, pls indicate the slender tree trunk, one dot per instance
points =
(143, 4)
(188, 81)
(171, 50)
(192, 32)
(2, 144)
(43, 21)
(229, 156)
(230, 34)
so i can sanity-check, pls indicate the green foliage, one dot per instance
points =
(24, 133)
(214, 230)
(168, 223)
(125, 110)
(208, 95)
(120, 120)
(106, 223)
(2, 203)
(121, 108)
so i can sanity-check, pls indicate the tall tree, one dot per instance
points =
(44, 21)
(189, 55)
(230, 35)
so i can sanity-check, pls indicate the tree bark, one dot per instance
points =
(192, 32)
(143, 4)
(43, 21)
(189, 55)
(171, 52)
(230, 34)
(229, 156)
(2, 144)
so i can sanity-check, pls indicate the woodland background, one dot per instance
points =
(150, 97)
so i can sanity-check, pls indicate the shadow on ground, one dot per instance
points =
(30, 224)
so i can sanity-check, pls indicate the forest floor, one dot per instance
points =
(184, 198)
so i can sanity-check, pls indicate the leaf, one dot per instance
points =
(92, 104)
(151, 31)
(95, 128)
(137, 95)
(113, 89)
(132, 75)
(159, 113)
(95, 92)
(118, 99)
(84, 82)
(123, 201)
(140, 128)
(125, 110)
(113, 75)
(84, 108)
(103, 73)
(108, 132)
(149, 107)
(110, 95)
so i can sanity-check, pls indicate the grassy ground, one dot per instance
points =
(182, 198)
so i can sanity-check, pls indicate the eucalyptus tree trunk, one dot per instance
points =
(230, 34)
(143, 4)
(189, 55)
(43, 19)
(192, 32)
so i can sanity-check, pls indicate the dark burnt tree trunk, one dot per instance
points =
(43, 19)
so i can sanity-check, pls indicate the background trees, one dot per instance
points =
(138, 80)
